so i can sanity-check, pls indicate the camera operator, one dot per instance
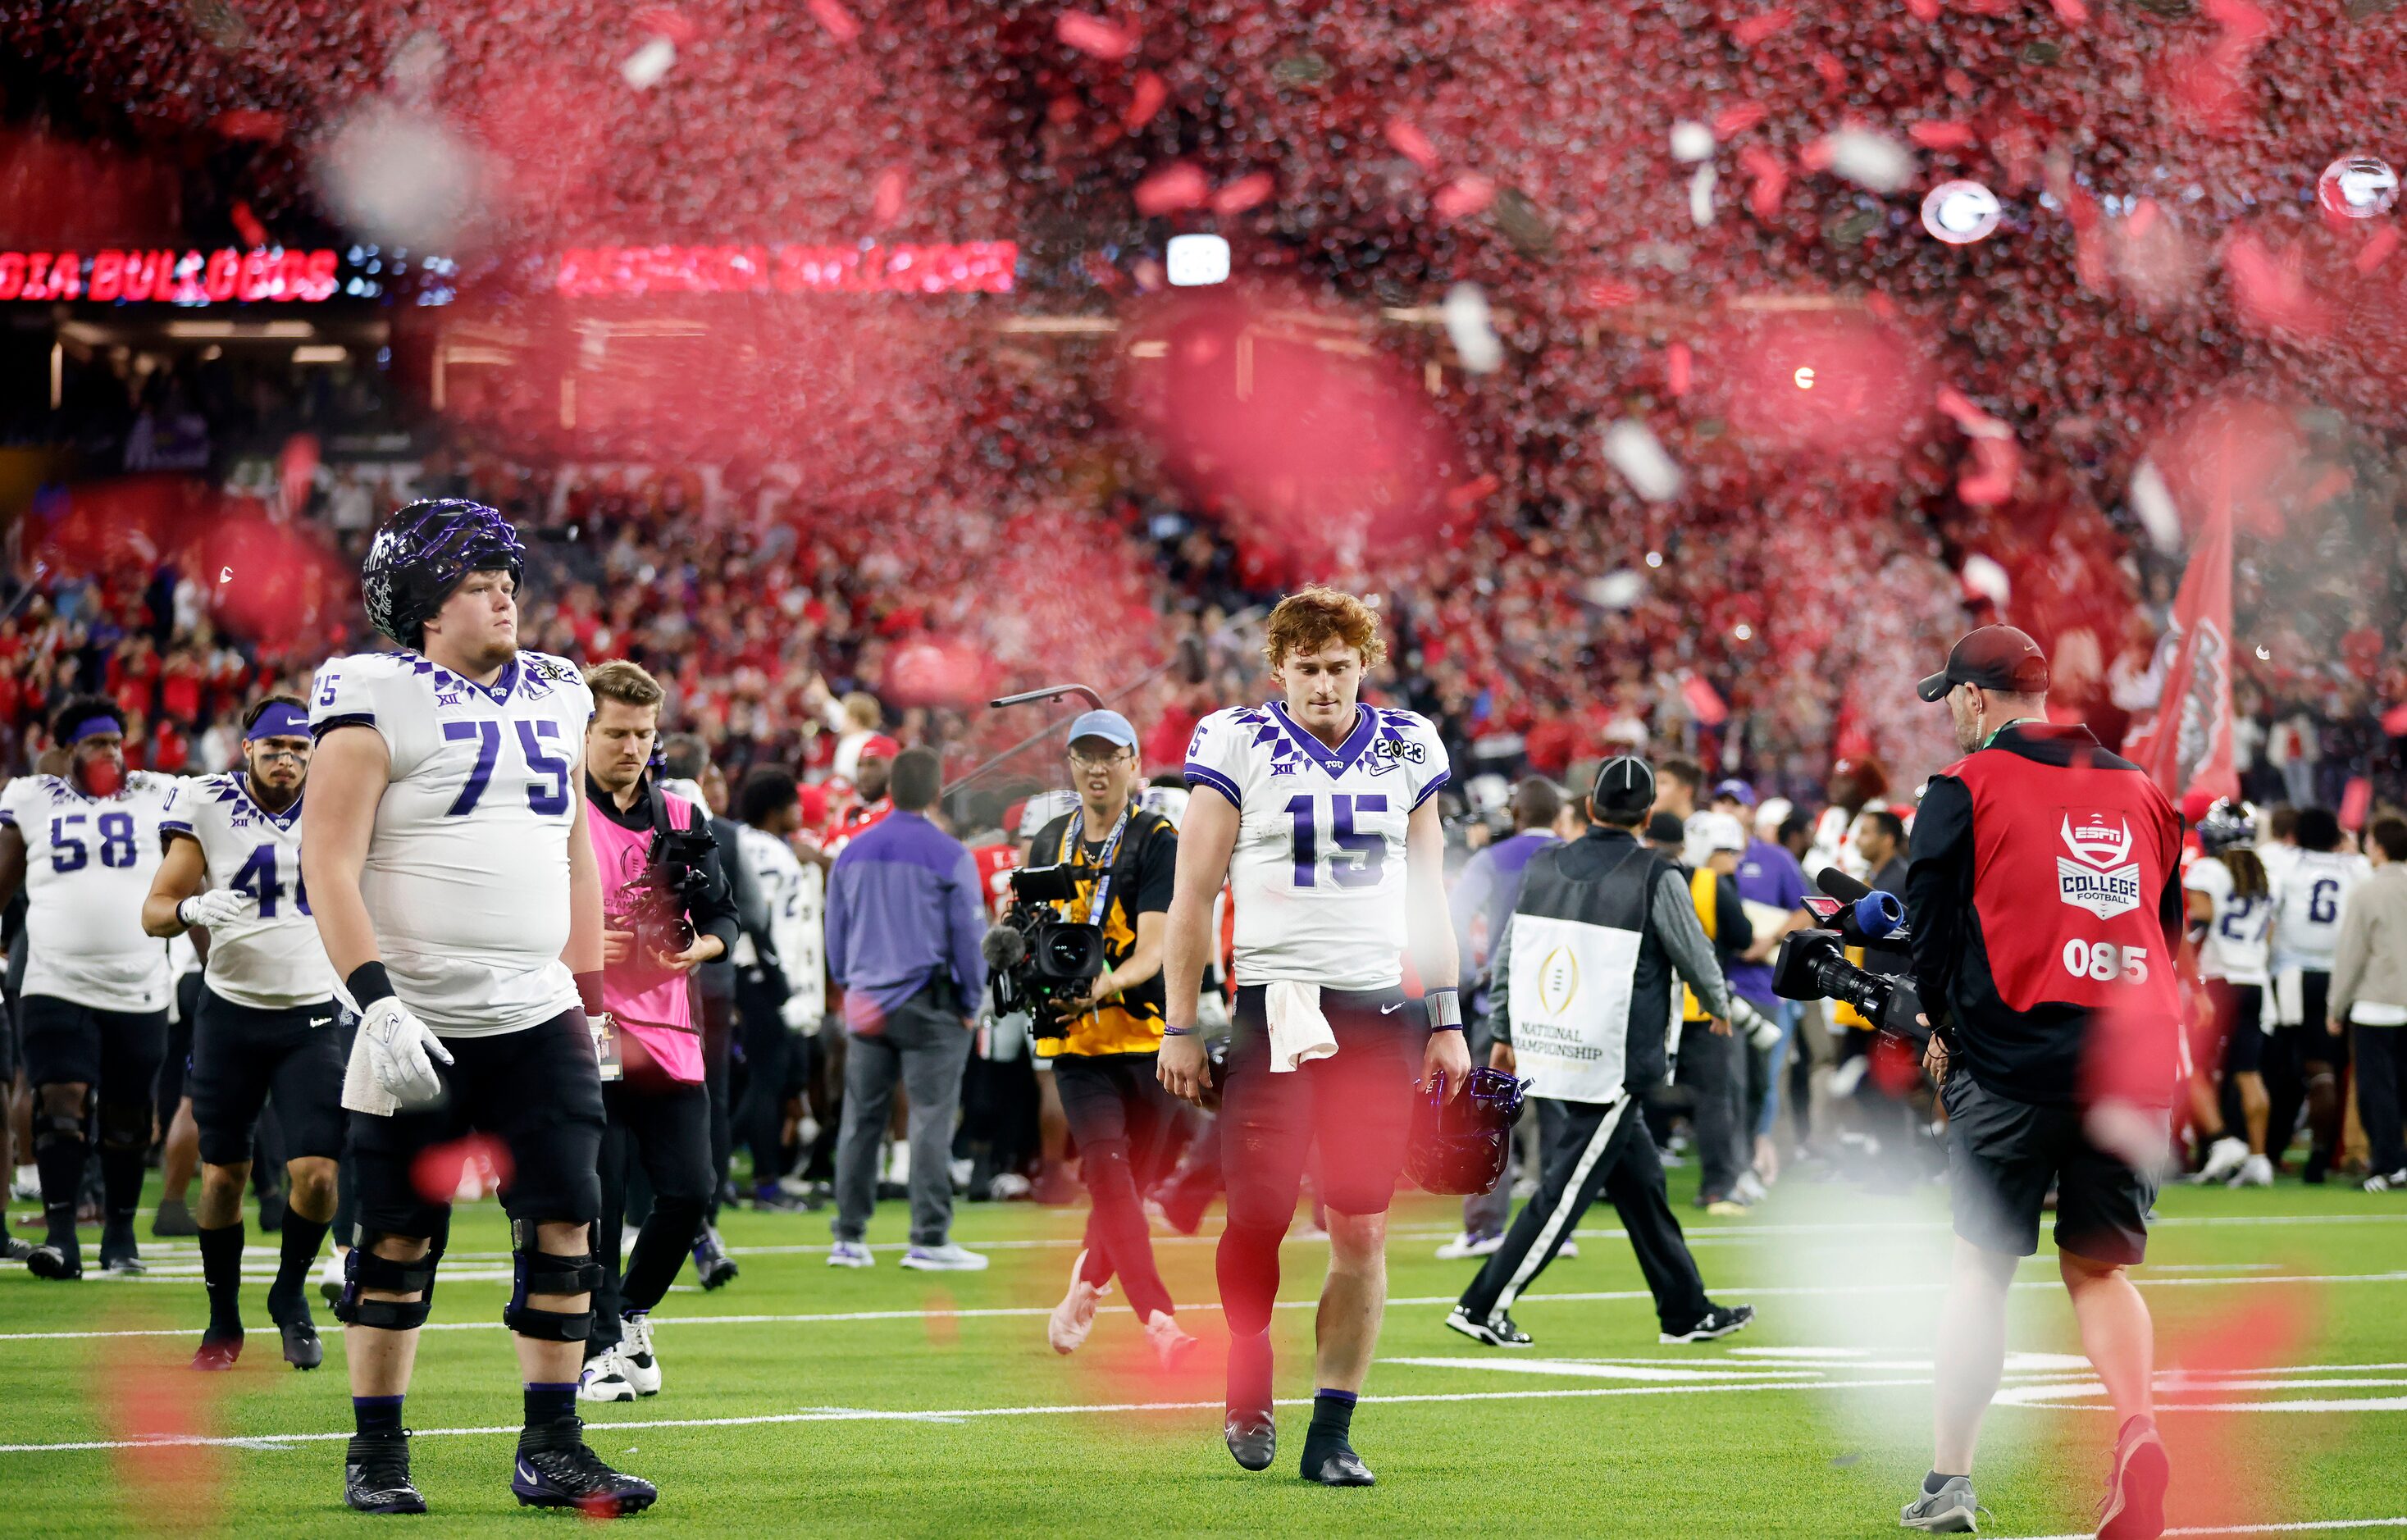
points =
(2043, 894)
(1104, 1043)
(666, 910)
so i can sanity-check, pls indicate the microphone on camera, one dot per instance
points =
(1872, 916)
(1003, 948)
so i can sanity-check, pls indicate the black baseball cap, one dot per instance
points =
(1625, 786)
(1996, 657)
(1666, 829)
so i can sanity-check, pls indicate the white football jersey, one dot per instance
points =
(466, 878)
(2306, 915)
(271, 959)
(89, 861)
(795, 893)
(2237, 947)
(1318, 875)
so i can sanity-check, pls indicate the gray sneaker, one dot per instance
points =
(1950, 1510)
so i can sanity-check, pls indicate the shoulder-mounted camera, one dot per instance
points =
(1813, 964)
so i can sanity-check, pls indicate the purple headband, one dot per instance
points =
(92, 727)
(282, 719)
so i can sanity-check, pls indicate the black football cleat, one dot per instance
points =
(376, 1475)
(1337, 1467)
(302, 1348)
(1719, 1321)
(1252, 1438)
(217, 1352)
(1497, 1331)
(557, 1469)
(14, 1250)
(713, 1268)
(51, 1261)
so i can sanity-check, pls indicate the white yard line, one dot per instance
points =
(1736, 1293)
(2315, 1526)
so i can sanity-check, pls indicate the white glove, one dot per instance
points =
(798, 1016)
(216, 907)
(399, 1045)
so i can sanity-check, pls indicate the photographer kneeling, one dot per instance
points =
(1104, 1038)
(2043, 896)
(666, 909)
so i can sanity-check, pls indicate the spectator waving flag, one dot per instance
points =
(2187, 746)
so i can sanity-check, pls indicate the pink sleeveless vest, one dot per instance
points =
(656, 1007)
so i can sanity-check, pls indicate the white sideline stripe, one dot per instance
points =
(957, 1415)
(1739, 1293)
(2316, 1526)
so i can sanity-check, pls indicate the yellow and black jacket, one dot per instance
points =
(1726, 924)
(1145, 865)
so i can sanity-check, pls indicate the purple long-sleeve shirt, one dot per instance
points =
(904, 908)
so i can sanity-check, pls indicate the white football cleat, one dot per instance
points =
(636, 1359)
(951, 1257)
(1469, 1244)
(851, 1254)
(1074, 1317)
(2224, 1159)
(1170, 1346)
(605, 1378)
(2255, 1171)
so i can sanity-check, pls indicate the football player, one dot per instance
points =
(451, 878)
(783, 992)
(2230, 906)
(2306, 937)
(266, 1022)
(93, 1015)
(1320, 812)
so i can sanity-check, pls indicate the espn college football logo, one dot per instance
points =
(2099, 876)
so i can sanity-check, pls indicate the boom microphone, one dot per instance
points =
(1872, 915)
(1003, 948)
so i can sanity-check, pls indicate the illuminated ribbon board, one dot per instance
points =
(263, 273)
(968, 267)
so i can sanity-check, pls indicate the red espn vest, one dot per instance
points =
(2069, 864)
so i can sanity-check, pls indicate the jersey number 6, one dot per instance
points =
(549, 800)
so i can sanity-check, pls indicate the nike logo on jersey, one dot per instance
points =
(1390, 1010)
(321, 1021)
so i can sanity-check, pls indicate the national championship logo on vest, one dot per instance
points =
(2101, 876)
(1558, 980)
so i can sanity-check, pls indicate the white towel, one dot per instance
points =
(1299, 1032)
(360, 1092)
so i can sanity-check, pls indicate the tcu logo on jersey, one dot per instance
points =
(2099, 876)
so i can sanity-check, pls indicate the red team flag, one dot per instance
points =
(2187, 746)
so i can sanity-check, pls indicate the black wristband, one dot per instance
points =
(368, 984)
(588, 991)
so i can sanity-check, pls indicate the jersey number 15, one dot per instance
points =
(1367, 848)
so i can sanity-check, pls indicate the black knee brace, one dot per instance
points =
(124, 1125)
(364, 1269)
(52, 1128)
(537, 1271)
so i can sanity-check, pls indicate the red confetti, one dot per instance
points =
(1464, 498)
(1151, 92)
(1738, 119)
(1958, 82)
(1609, 293)
(1770, 181)
(1754, 29)
(440, 1171)
(2072, 13)
(663, 22)
(2377, 250)
(839, 22)
(1412, 144)
(1834, 74)
(247, 225)
(1244, 193)
(1176, 186)
(886, 203)
(1678, 364)
(1923, 10)
(1941, 134)
(1095, 37)
(1818, 155)
(1464, 196)
(249, 123)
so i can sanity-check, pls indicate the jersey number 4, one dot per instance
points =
(70, 854)
(548, 797)
(257, 878)
(1367, 849)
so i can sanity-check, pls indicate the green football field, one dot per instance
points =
(809, 1400)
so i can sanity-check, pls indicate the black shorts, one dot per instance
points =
(1109, 1096)
(8, 1054)
(67, 1043)
(2240, 1017)
(2002, 1156)
(1350, 1116)
(2314, 1042)
(539, 1092)
(240, 1055)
